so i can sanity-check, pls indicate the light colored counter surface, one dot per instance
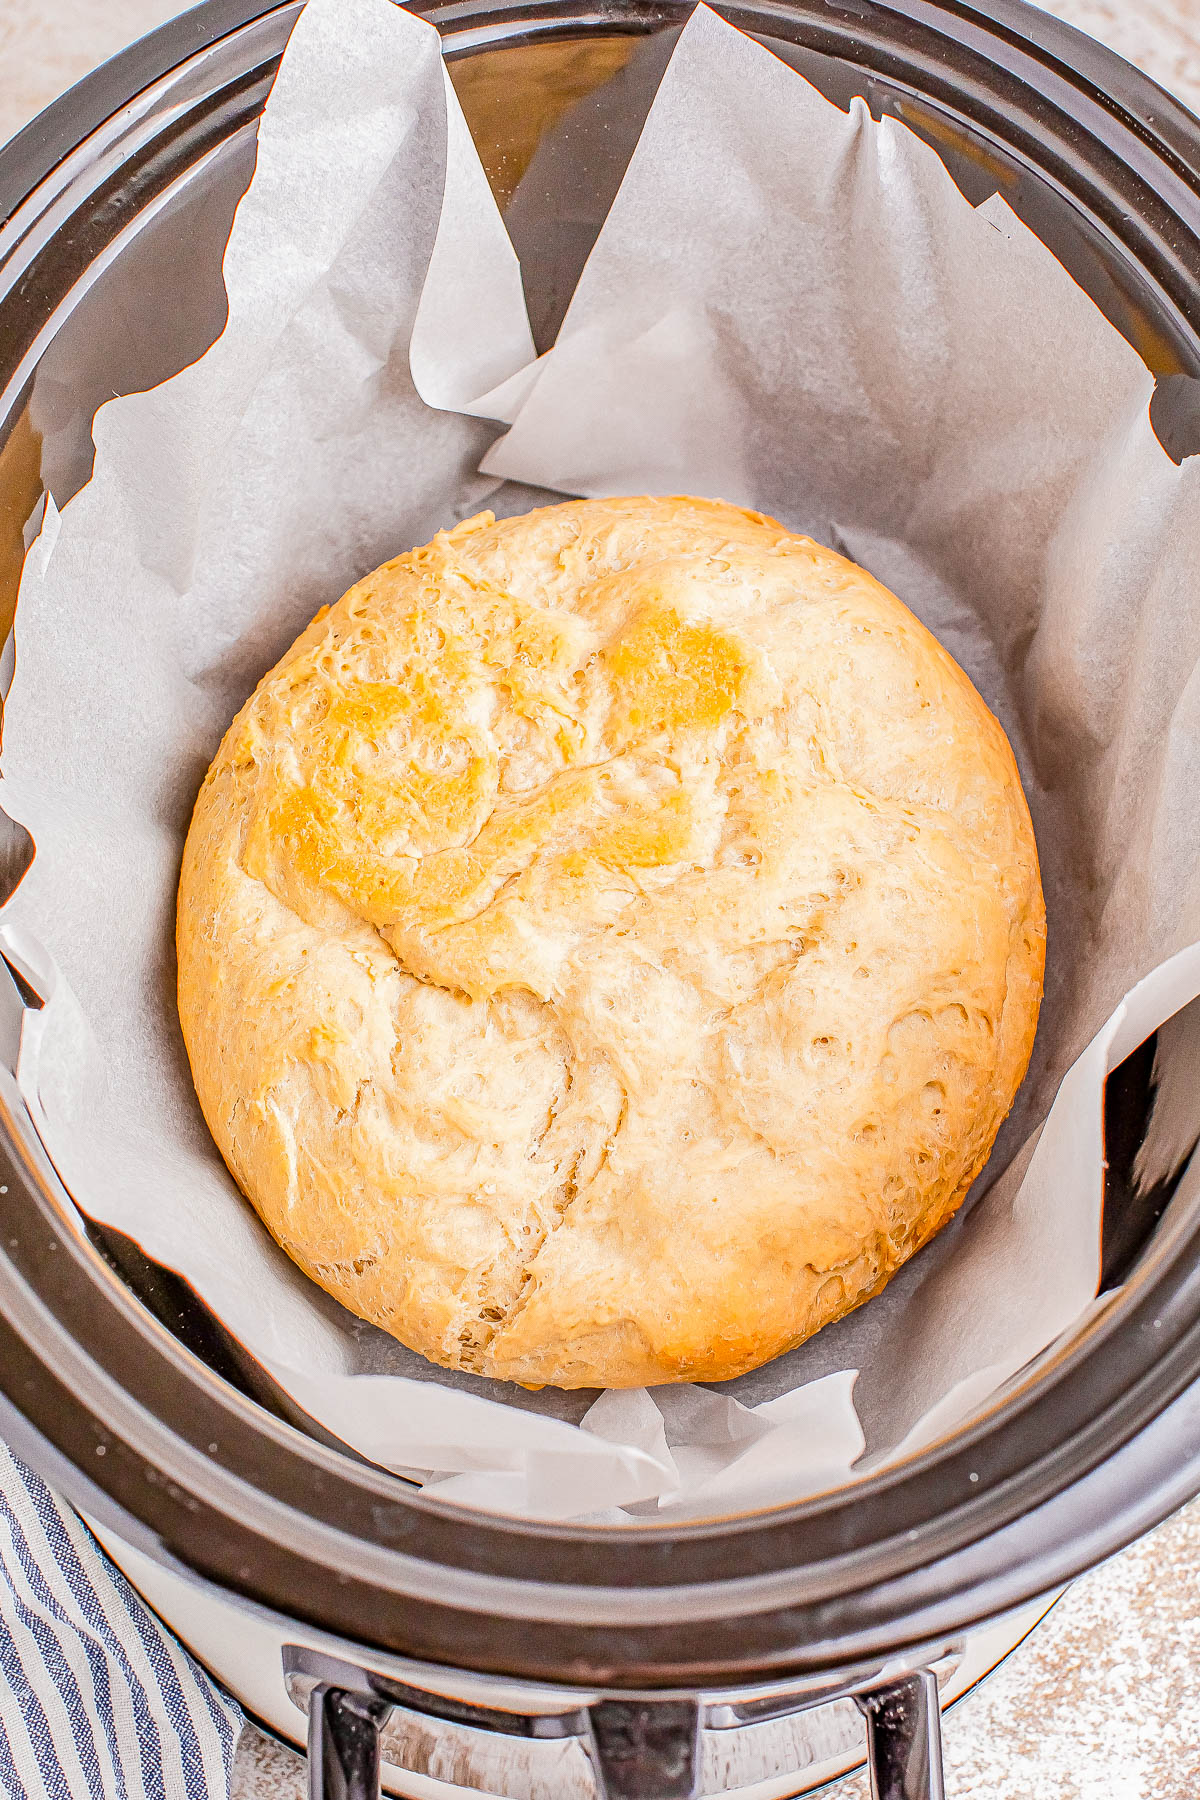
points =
(1103, 1701)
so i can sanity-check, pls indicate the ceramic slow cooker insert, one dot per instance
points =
(559, 1658)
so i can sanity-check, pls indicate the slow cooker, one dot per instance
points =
(758, 1654)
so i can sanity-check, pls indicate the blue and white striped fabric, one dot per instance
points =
(97, 1700)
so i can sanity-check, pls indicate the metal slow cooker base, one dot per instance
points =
(424, 1757)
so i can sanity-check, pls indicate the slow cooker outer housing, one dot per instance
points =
(1093, 1446)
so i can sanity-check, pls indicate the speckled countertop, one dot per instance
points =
(1103, 1701)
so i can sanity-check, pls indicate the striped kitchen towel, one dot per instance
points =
(97, 1700)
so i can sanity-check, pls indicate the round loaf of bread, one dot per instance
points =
(609, 942)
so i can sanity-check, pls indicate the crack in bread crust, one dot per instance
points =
(608, 941)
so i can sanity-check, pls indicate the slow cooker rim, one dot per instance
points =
(33, 154)
(1133, 96)
(1143, 1295)
(1057, 1540)
(168, 39)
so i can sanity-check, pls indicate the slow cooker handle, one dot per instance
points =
(343, 1744)
(904, 1739)
(640, 1750)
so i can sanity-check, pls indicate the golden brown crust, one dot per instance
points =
(609, 942)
